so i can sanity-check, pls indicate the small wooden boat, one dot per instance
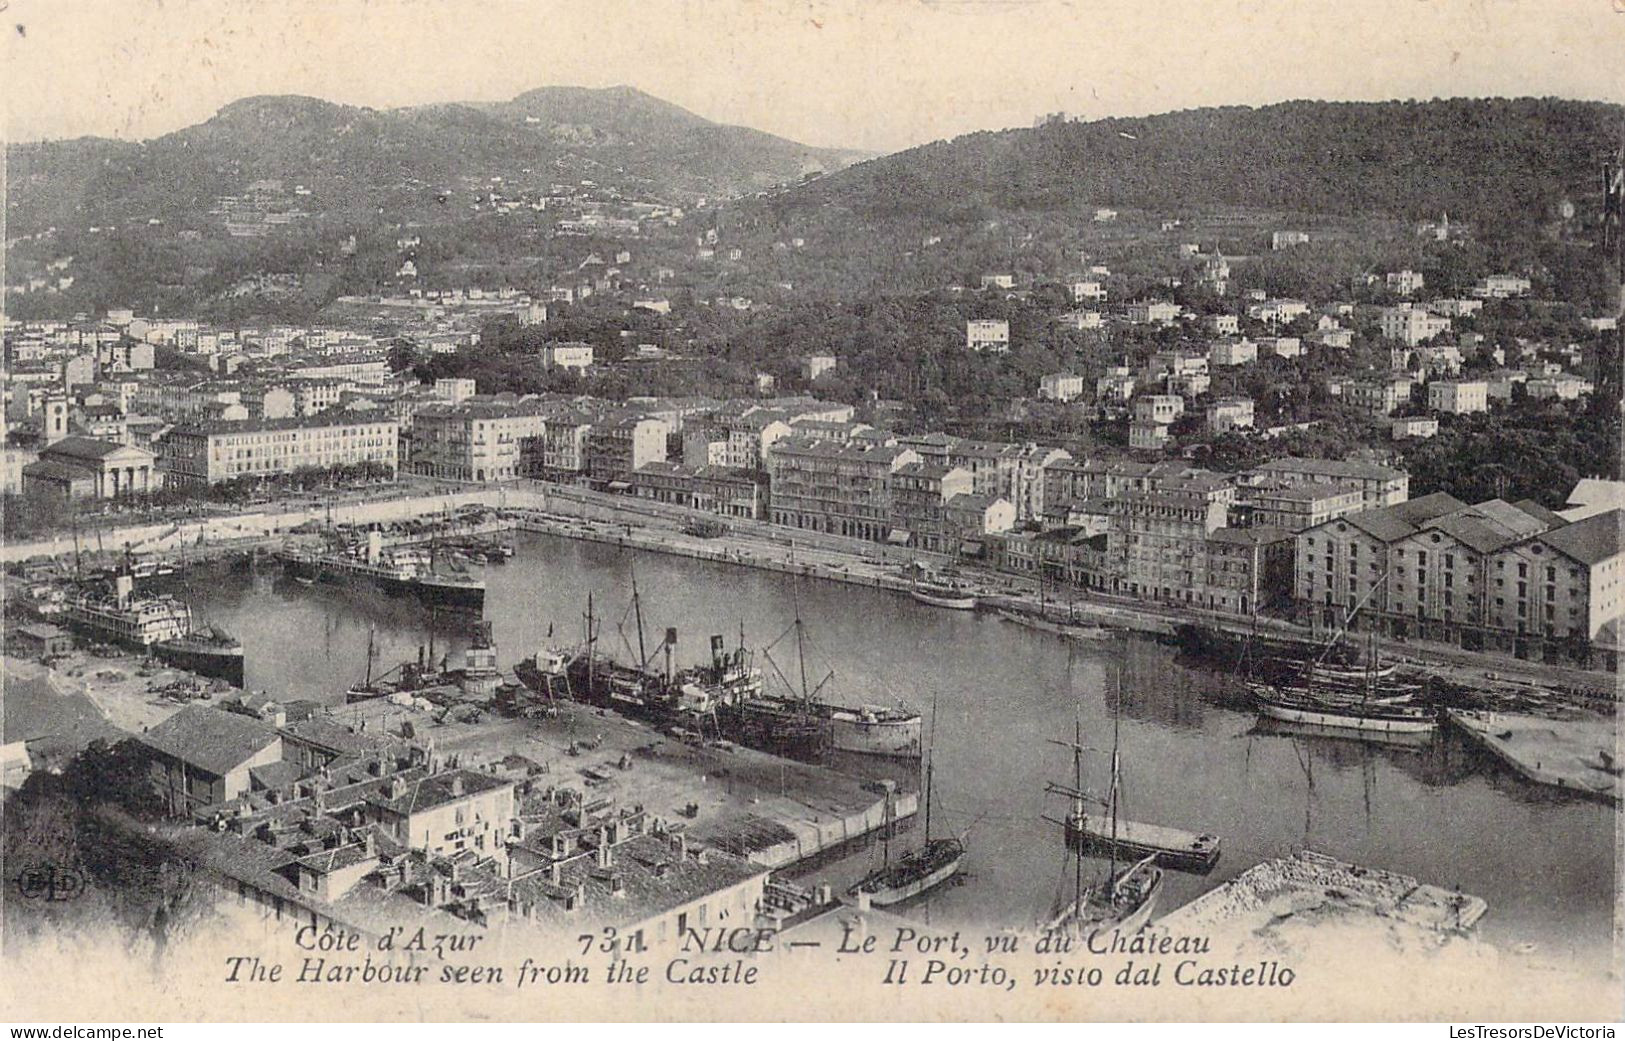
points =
(1297, 706)
(1123, 905)
(1068, 630)
(934, 594)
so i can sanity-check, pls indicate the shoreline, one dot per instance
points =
(570, 512)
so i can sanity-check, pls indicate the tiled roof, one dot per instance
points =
(425, 793)
(212, 740)
(1590, 541)
(76, 447)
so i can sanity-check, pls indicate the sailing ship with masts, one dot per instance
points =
(1112, 833)
(919, 870)
(1341, 697)
(1119, 900)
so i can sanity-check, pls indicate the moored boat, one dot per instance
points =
(919, 870)
(1069, 630)
(393, 572)
(210, 651)
(1121, 900)
(936, 594)
(1343, 713)
(875, 730)
(157, 625)
(1173, 848)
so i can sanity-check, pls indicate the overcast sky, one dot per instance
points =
(879, 75)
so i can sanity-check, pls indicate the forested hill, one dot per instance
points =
(1481, 160)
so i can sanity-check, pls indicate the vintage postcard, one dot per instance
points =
(947, 510)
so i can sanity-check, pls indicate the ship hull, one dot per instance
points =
(943, 859)
(218, 662)
(1332, 717)
(951, 601)
(471, 596)
(894, 739)
(1128, 924)
(450, 595)
(1172, 849)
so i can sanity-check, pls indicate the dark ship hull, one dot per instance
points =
(431, 588)
(917, 872)
(204, 657)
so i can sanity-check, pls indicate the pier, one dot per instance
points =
(1576, 755)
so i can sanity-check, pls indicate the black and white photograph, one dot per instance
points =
(953, 511)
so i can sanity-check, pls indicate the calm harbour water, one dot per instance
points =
(1191, 758)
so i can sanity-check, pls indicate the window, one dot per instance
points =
(1449, 560)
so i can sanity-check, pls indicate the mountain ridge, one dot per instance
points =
(352, 152)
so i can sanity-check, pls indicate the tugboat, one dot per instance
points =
(919, 870)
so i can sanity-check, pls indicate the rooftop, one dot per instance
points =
(210, 739)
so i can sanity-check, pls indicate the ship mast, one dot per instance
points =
(1113, 795)
(1077, 804)
(592, 639)
(930, 754)
(637, 613)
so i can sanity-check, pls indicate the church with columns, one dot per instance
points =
(88, 468)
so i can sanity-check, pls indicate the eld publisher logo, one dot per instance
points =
(49, 883)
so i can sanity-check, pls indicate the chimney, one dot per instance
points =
(561, 844)
(457, 785)
(555, 872)
(369, 845)
(617, 884)
(606, 852)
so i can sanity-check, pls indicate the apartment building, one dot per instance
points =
(1459, 397)
(715, 489)
(208, 453)
(1412, 326)
(1230, 414)
(987, 334)
(833, 486)
(1379, 485)
(1378, 397)
(478, 441)
(616, 449)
